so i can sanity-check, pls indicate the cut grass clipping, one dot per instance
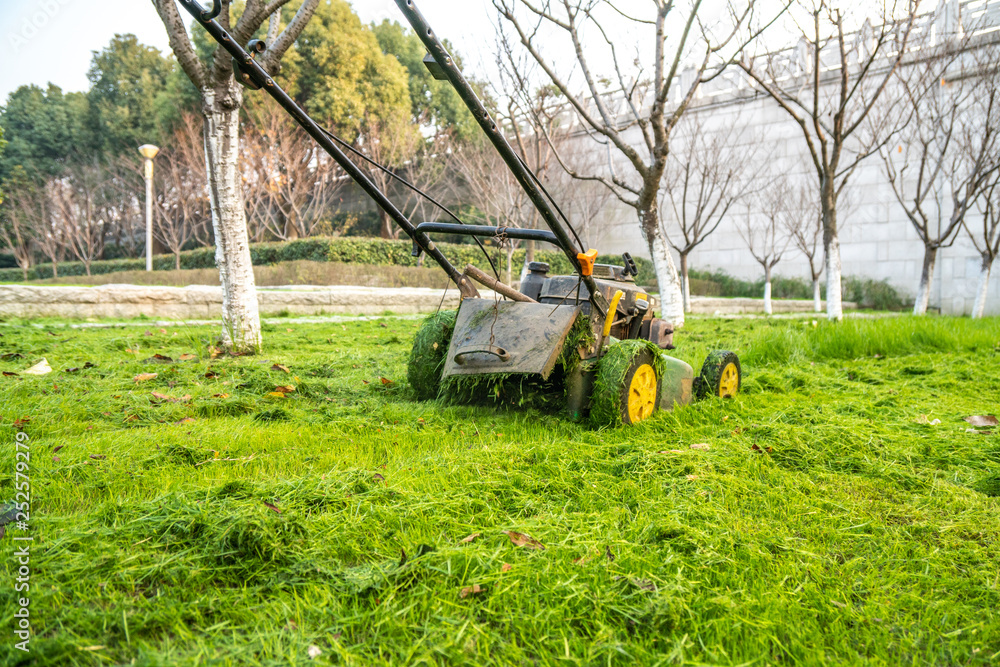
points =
(430, 347)
(606, 401)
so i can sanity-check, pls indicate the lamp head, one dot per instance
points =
(148, 151)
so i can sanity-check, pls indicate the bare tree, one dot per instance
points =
(183, 212)
(986, 240)
(804, 226)
(829, 87)
(764, 231)
(391, 140)
(19, 219)
(707, 173)
(946, 153)
(77, 198)
(293, 179)
(222, 98)
(650, 97)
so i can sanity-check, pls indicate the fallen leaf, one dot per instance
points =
(142, 377)
(313, 651)
(982, 420)
(292, 625)
(158, 359)
(214, 352)
(979, 431)
(506, 567)
(186, 420)
(379, 478)
(270, 506)
(90, 365)
(98, 457)
(522, 540)
(187, 356)
(701, 445)
(7, 356)
(170, 399)
(365, 381)
(279, 367)
(220, 395)
(41, 368)
(10, 374)
(475, 589)
(643, 584)
(285, 389)
(923, 419)
(163, 331)
(57, 448)
(760, 450)
(19, 423)
(211, 375)
(607, 554)
(469, 538)
(56, 459)
(275, 394)
(386, 381)
(691, 478)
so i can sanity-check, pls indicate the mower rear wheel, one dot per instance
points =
(430, 348)
(627, 386)
(720, 375)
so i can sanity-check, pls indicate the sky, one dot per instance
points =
(44, 41)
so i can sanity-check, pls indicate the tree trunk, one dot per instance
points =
(926, 276)
(685, 284)
(177, 260)
(671, 301)
(240, 315)
(510, 260)
(831, 249)
(817, 301)
(979, 306)
(86, 266)
(768, 310)
(385, 228)
(24, 272)
(529, 251)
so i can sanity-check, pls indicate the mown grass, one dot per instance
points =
(828, 521)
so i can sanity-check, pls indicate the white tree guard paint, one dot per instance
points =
(834, 295)
(671, 299)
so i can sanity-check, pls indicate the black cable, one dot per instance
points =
(420, 192)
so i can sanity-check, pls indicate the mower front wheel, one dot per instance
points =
(627, 385)
(720, 375)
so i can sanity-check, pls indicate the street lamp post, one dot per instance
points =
(148, 152)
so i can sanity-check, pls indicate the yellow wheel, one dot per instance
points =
(720, 375)
(626, 386)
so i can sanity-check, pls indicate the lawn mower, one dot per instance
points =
(594, 330)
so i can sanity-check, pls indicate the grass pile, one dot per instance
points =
(256, 510)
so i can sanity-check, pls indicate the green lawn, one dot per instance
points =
(821, 519)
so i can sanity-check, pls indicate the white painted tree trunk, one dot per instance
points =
(685, 285)
(671, 299)
(982, 289)
(768, 308)
(926, 277)
(817, 301)
(834, 295)
(240, 315)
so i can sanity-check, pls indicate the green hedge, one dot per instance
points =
(356, 250)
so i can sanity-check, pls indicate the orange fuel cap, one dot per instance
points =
(586, 260)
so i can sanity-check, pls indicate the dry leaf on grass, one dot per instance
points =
(214, 352)
(522, 540)
(186, 420)
(469, 538)
(275, 394)
(269, 505)
(982, 420)
(10, 374)
(142, 377)
(506, 567)
(188, 357)
(475, 589)
(386, 381)
(41, 368)
(285, 388)
(158, 359)
(923, 419)
(701, 445)
(170, 399)
(279, 367)
(98, 457)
